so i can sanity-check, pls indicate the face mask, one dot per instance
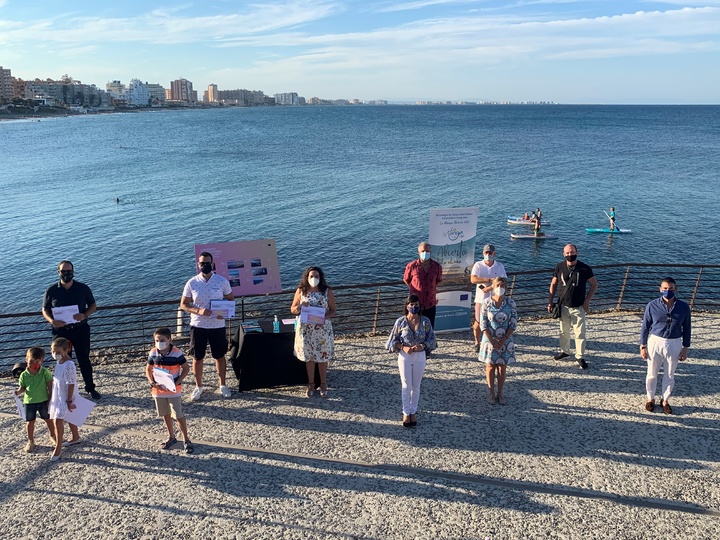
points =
(414, 309)
(57, 356)
(500, 291)
(313, 281)
(206, 268)
(571, 258)
(668, 294)
(161, 345)
(424, 256)
(489, 258)
(67, 275)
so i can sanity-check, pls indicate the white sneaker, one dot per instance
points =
(196, 393)
(225, 391)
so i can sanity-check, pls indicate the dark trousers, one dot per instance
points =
(79, 337)
(430, 314)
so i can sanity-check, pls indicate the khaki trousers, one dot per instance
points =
(572, 319)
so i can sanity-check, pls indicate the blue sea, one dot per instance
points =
(346, 188)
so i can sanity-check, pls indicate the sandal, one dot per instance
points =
(310, 390)
(189, 448)
(167, 444)
(323, 391)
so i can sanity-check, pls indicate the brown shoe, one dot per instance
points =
(650, 406)
(666, 407)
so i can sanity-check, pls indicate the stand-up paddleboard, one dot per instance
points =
(533, 237)
(520, 221)
(608, 231)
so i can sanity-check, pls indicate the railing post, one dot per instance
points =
(694, 293)
(512, 287)
(377, 309)
(179, 323)
(622, 289)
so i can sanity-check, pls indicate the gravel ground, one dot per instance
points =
(573, 454)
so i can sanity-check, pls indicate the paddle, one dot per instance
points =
(608, 216)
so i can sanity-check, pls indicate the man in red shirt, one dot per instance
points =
(422, 276)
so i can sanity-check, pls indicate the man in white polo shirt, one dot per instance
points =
(205, 327)
(483, 272)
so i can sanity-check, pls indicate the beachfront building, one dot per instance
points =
(116, 89)
(6, 84)
(137, 94)
(182, 90)
(289, 98)
(156, 93)
(212, 94)
(242, 97)
(68, 91)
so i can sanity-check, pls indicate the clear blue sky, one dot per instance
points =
(572, 51)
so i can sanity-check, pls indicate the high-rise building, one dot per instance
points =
(289, 98)
(242, 97)
(6, 84)
(212, 93)
(115, 88)
(137, 93)
(156, 93)
(182, 90)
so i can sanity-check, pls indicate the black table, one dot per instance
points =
(265, 359)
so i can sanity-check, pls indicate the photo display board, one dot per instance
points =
(251, 266)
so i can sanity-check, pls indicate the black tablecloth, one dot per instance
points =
(265, 359)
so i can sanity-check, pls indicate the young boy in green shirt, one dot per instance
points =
(36, 388)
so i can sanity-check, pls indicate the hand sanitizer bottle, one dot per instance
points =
(276, 325)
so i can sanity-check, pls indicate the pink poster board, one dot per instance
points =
(250, 266)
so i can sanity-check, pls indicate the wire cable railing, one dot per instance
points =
(363, 309)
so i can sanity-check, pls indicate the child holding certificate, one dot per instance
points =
(166, 369)
(64, 393)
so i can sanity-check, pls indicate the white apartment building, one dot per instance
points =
(137, 93)
(289, 98)
(115, 88)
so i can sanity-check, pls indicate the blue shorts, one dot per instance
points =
(33, 409)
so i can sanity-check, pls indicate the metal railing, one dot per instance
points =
(364, 309)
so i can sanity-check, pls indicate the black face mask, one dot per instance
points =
(206, 268)
(571, 258)
(67, 276)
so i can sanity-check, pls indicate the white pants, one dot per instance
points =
(412, 367)
(666, 353)
(572, 319)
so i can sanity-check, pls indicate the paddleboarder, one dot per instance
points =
(611, 217)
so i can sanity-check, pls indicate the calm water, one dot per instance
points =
(346, 188)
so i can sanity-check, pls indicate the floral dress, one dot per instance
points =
(63, 375)
(314, 342)
(498, 320)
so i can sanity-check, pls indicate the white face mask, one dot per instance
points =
(313, 281)
(161, 345)
(500, 291)
(57, 356)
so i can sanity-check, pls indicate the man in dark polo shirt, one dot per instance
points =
(570, 279)
(68, 292)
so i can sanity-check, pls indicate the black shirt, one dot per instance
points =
(78, 294)
(574, 279)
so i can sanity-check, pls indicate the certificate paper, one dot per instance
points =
(65, 314)
(162, 376)
(226, 308)
(312, 315)
(83, 408)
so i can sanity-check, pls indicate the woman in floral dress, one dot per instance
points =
(498, 320)
(314, 342)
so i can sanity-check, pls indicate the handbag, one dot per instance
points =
(556, 310)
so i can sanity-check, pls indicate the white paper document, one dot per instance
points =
(226, 308)
(65, 314)
(20, 406)
(163, 376)
(312, 315)
(83, 408)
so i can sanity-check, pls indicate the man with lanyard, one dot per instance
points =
(68, 292)
(422, 276)
(664, 340)
(482, 275)
(206, 328)
(572, 276)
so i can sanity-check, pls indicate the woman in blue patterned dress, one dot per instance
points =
(314, 343)
(498, 320)
(411, 337)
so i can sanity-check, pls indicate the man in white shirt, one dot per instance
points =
(206, 327)
(483, 272)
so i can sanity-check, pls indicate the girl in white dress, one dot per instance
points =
(64, 393)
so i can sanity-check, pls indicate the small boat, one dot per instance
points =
(521, 221)
(533, 237)
(608, 231)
